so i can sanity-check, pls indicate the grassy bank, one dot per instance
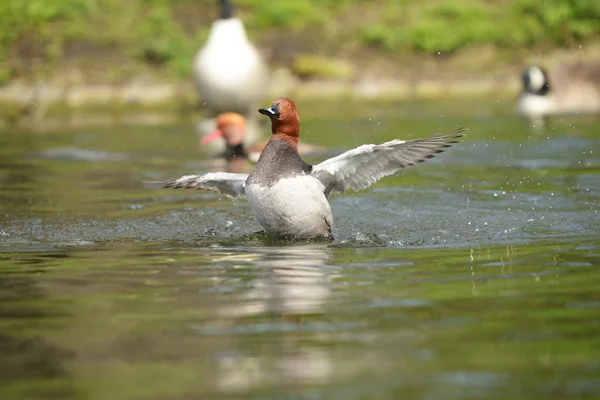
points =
(114, 40)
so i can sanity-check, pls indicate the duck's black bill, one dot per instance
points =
(271, 112)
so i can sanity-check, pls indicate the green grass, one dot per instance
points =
(164, 34)
(447, 27)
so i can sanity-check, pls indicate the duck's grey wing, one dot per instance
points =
(230, 184)
(359, 168)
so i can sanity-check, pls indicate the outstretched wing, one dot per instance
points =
(230, 184)
(361, 167)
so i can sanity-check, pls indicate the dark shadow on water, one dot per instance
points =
(31, 366)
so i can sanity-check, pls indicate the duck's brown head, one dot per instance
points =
(284, 118)
(231, 127)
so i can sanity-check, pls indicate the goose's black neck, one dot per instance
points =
(226, 9)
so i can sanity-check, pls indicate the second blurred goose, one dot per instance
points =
(572, 89)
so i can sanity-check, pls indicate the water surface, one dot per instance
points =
(474, 275)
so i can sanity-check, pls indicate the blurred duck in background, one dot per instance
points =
(572, 89)
(229, 72)
(232, 128)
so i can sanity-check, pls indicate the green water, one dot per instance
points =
(474, 275)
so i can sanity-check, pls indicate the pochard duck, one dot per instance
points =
(289, 197)
(231, 127)
(573, 89)
(229, 72)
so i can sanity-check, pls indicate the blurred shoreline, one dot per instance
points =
(70, 90)
(24, 104)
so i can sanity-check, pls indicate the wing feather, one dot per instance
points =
(361, 167)
(229, 184)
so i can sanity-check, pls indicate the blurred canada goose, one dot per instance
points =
(229, 72)
(572, 89)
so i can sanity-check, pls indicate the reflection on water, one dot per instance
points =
(290, 280)
(31, 358)
(28, 358)
(472, 275)
(287, 282)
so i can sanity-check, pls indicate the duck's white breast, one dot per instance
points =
(292, 207)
